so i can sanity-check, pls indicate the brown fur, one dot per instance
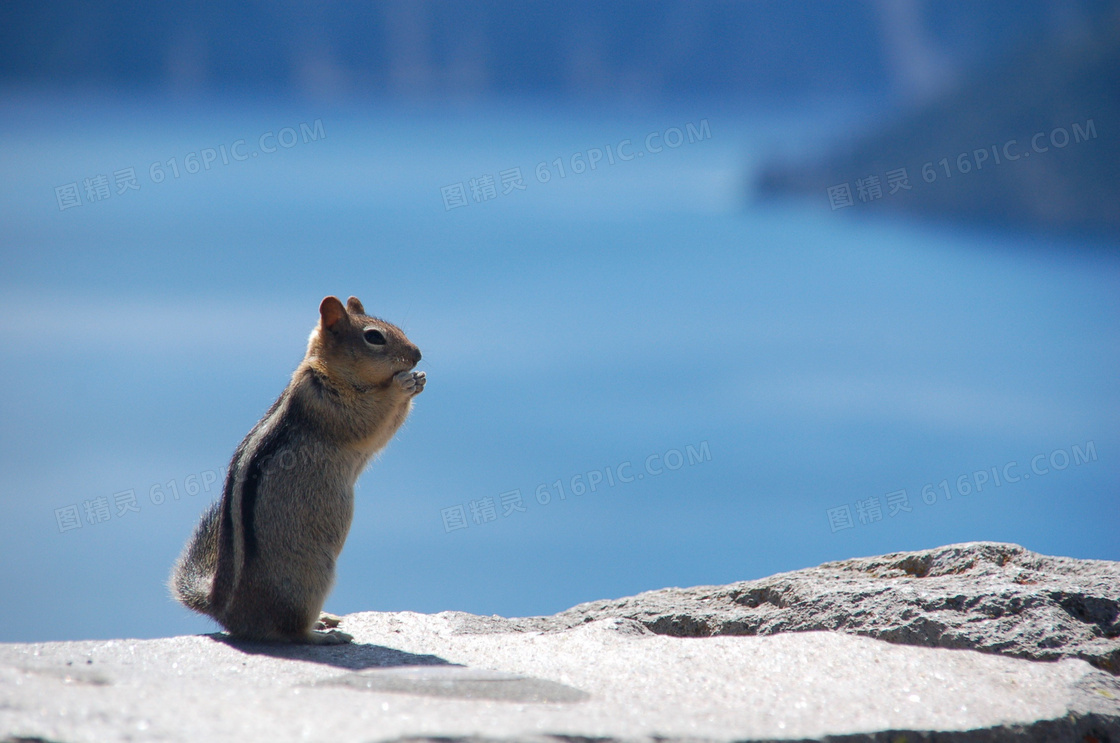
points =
(261, 561)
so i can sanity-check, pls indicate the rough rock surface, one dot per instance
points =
(455, 676)
(986, 596)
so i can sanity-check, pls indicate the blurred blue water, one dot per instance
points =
(823, 357)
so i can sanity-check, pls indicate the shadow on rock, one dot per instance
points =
(352, 656)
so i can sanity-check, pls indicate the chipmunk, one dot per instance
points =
(262, 559)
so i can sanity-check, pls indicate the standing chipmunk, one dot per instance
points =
(262, 560)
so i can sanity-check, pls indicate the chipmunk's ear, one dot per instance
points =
(355, 306)
(331, 312)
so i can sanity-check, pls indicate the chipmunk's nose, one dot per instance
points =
(415, 355)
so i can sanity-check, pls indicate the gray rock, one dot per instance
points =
(460, 682)
(454, 676)
(986, 596)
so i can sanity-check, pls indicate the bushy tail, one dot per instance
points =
(193, 574)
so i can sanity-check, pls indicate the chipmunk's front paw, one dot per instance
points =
(412, 382)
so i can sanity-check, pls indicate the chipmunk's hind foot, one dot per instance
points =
(330, 637)
(327, 621)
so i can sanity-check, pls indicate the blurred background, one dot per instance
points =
(705, 290)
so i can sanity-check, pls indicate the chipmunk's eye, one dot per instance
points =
(374, 337)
